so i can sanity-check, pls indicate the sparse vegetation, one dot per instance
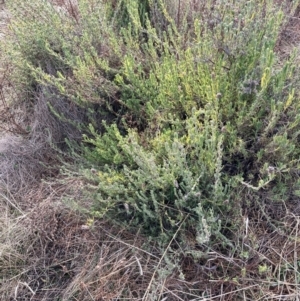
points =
(152, 151)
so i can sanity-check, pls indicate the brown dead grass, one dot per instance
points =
(55, 252)
(290, 34)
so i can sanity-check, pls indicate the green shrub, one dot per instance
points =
(208, 111)
(195, 104)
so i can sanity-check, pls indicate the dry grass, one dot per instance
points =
(290, 34)
(31, 149)
(12, 236)
(53, 252)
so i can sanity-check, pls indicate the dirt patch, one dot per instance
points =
(290, 35)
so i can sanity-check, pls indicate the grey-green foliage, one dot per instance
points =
(210, 109)
(157, 189)
(198, 107)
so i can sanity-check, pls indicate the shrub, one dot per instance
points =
(205, 122)
(182, 110)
